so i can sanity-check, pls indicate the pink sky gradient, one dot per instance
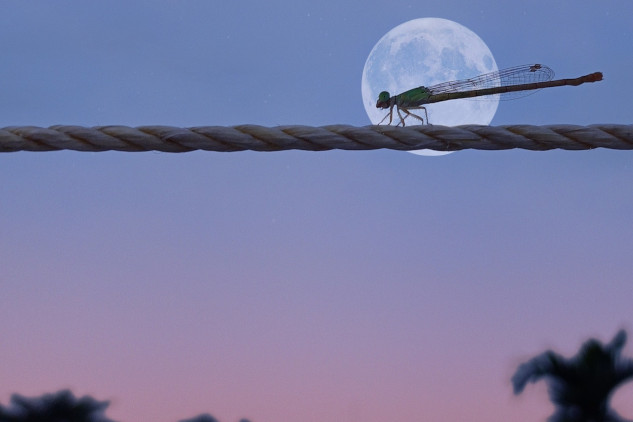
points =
(281, 287)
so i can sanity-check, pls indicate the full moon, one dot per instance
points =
(426, 52)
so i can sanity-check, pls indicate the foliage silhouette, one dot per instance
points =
(62, 406)
(580, 387)
(201, 418)
(206, 418)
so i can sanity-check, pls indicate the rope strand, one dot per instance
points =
(308, 138)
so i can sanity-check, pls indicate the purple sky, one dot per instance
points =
(298, 286)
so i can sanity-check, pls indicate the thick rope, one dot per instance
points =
(260, 138)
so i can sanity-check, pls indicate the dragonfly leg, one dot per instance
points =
(425, 115)
(408, 113)
(390, 114)
(383, 119)
(400, 115)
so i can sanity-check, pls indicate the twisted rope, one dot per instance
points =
(260, 138)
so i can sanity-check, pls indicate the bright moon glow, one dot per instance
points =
(426, 52)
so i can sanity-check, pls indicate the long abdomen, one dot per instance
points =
(594, 77)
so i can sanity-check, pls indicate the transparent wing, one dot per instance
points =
(517, 75)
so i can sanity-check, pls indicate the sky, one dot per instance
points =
(302, 286)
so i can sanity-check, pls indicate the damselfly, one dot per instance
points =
(514, 79)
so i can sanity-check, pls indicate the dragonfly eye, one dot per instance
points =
(383, 100)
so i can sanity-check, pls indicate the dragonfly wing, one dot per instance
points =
(517, 75)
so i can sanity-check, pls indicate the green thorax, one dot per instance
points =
(413, 97)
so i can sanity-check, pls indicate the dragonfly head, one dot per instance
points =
(383, 100)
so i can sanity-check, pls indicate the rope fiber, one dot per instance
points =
(308, 138)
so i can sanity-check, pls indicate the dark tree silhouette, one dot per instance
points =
(62, 406)
(580, 387)
(201, 418)
(206, 418)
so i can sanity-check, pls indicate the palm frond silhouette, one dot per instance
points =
(580, 387)
(62, 406)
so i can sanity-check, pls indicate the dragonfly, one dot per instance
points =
(507, 81)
